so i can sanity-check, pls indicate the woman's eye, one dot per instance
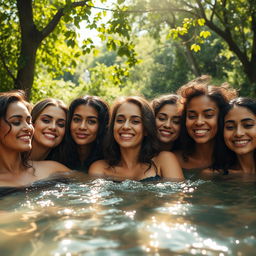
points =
(15, 123)
(229, 127)
(61, 125)
(176, 122)
(46, 121)
(136, 121)
(209, 116)
(191, 117)
(91, 121)
(248, 126)
(162, 119)
(119, 121)
(76, 119)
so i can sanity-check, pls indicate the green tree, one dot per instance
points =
(233, 21)
(32, 35)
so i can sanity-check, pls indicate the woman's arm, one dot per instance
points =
(169, 166)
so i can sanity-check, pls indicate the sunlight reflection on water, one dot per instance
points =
(130, 218)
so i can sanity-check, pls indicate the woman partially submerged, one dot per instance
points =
(16, 131)
(131, 146)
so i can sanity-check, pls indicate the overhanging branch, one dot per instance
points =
(55, 20)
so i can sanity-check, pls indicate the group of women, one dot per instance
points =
(202, 129)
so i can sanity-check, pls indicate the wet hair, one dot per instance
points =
(228, 158)
(38, 108)
(150, 146)
(158, 103)
(6, 98)
(69, 151)
(201, 86)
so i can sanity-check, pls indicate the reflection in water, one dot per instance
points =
(130, 218)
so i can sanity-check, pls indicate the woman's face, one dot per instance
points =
(128, 126)
(50, 127)
(168, 123)
(16, 135)
(202, 119)
(84, 125)
(240, 130)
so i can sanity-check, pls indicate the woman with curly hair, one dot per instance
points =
(86, 126)
(16, 131)
(202, 112)
(131, 146)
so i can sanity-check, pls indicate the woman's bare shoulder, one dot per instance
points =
(46, 168)
(98, 168)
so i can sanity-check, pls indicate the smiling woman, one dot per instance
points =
(16, 132)
(239, 132)
(167, 114)
(131, 146)
(200, 120)
(49, 120)
(86, 126)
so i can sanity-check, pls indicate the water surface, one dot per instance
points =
(99, 217)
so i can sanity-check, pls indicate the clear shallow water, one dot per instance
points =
(130, 218)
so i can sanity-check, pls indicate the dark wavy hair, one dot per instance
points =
(227, 158)
(69, 152)
(158, 103)
(6, 98)
(150, 146)
(38, 108)
(220, 95)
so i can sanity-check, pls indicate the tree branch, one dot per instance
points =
(27, 25)
(253, 26)
(56, 18)
(6, 67)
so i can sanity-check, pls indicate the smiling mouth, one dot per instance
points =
(25, 138)
(50, 136)
(82, 136)
(201, 132)
(126, 135)
(241, 143)
(166, 133)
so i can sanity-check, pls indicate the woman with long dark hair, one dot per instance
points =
(16, 131)
(131, 147)
(86, 126)
(239, 133)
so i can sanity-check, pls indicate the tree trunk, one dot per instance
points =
(26, 66)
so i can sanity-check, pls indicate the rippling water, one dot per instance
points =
(130, 218)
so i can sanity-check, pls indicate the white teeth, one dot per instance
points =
(126, 135)
(25, 137)
(51, 136)
(200, 132)
(240, 142)
(165, 133)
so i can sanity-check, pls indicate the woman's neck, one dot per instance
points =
(10, 162)
(166, 146)
(129, 157)
(84, 152)
(247, 163)
(39, 152)
(203, 153)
